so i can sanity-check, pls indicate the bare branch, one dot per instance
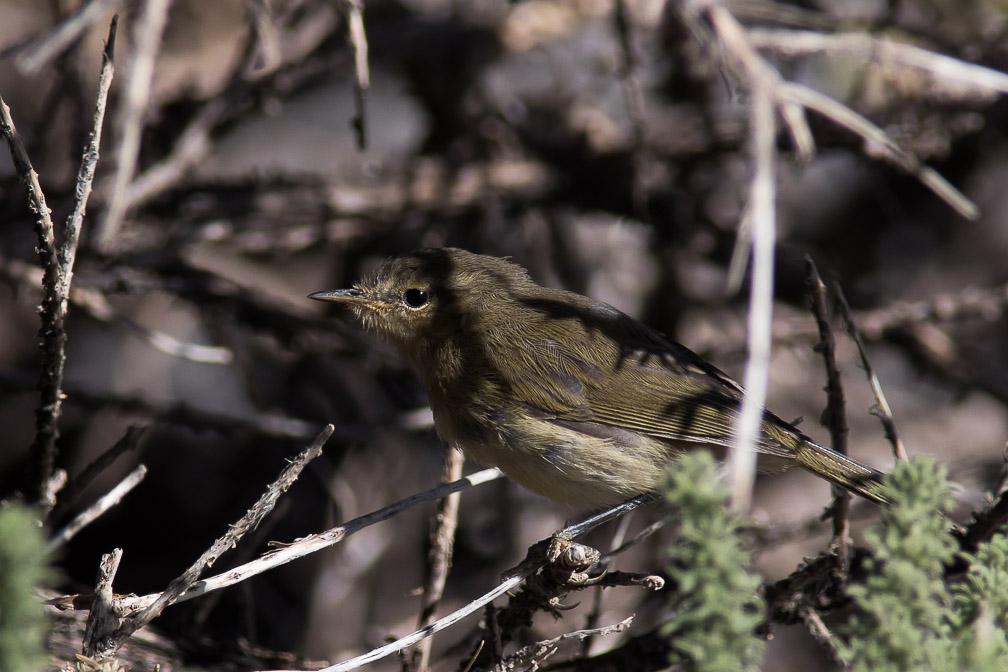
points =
(881, 409)
(88, 515)
(439, 557)
(52, 338)
(834, 417)
(149, 28)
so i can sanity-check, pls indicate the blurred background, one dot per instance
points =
(598, 144)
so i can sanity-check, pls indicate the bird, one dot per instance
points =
(568, 396)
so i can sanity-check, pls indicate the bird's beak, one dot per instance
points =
(351, 296)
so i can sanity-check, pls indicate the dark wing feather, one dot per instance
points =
(598, 365)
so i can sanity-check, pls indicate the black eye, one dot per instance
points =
(415, 298)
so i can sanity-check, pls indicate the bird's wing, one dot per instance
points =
(641, 383)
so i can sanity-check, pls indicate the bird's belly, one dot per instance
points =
(567, 462)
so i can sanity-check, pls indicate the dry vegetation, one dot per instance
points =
(258, 150)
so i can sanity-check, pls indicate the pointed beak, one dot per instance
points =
(351, 296)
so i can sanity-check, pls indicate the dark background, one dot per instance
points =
(502, 128)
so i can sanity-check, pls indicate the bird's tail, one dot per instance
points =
(842, 471)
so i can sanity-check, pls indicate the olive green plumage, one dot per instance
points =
(568, 396)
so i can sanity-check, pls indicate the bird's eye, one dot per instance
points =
(415, 298)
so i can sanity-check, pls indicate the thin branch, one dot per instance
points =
(519, 574)
(103, 616)
(292, 551)
(883, 50)
(150, 26)
(267, 38)
(834, 417)
(104, 503)
(633, 100)
(763, 214)
(266, 424)
(815, 626)
(85, 176)
(532, 656)
(190, 148)
(72, 28)
(362, 74)
(881, 409)
(437, 626)
(69, 494)
(878, 143)
(111, 641)
(439, 557)
(52, 338)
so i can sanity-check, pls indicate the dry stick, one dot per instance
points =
(52, 338)
(103, 616)
(595, 613)
(761, 218)
(735, 41)
(439, 557)
(985, 524)
(69, 31)
(104, 503)
(477, 604)
(96, 304)
(266, 424)
(532, 656)
(814, 624)
(189, 149)
(878, 143)
(633, 99)
(247, 522)
(362, 81)
(835, 415)
(883, 50)
(150, 26)
(69, 494)
(299, 548)
(85, 176)
(267, 37)
(881, 409)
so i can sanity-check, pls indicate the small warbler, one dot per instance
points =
(567, 396)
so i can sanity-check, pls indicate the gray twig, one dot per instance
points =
(439, 557)
(881, 409)
(834, 417)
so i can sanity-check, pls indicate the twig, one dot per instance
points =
(52, 338)
(31, 62)
(595, 613)
(878, 143)
(881, 409)
(633, 99)
(882, 50)
(362, 80)
(85, 176)
(567, 533)
(190, 148)
(834, 417)
(437, 626)
(532, 656)
(103, 616)
(150, 26)
(439, 557)
(763, 215)
(104, 503)
(112, 640)
(69, 494)
(815, 626)
(262, 21)
(267, 424)
(295, 550)
(985, 524)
